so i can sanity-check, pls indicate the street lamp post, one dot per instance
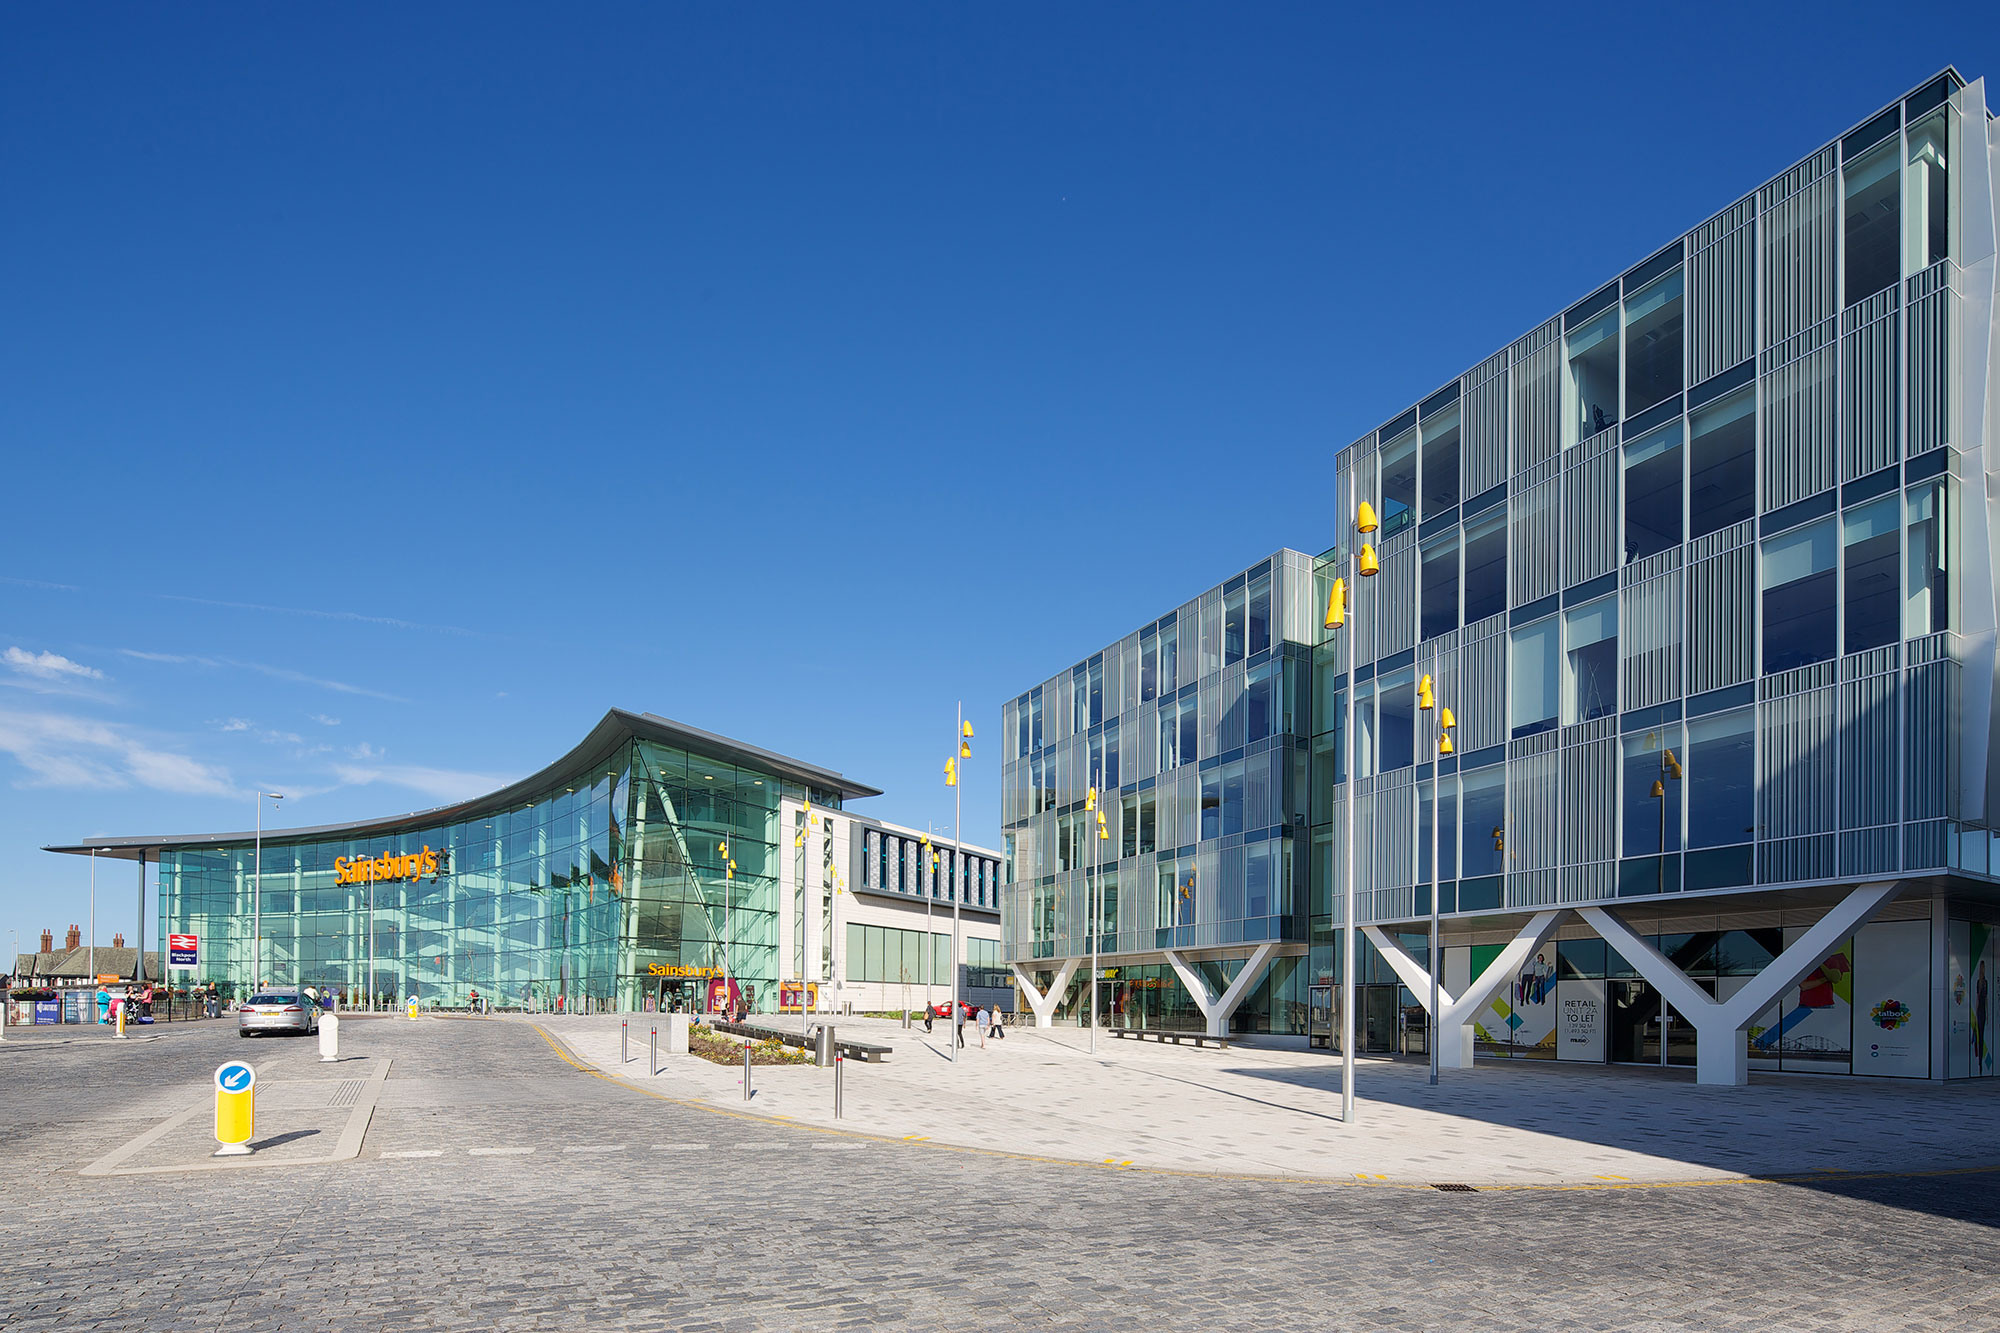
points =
(728, 921)
(257, 896)
(1441, 746)
(1094, 902)
(1365, 566)
(92, 954)
(928, 858)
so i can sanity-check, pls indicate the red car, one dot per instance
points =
(939, 1011)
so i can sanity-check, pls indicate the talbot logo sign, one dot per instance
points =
(364, 869)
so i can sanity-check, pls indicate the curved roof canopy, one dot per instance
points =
(616, 729)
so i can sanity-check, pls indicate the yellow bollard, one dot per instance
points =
(235, 1108)
(413, 1008)
(121, 1021)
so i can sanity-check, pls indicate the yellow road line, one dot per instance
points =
(1602, 1183)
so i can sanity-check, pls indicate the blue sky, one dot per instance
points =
(386, 394)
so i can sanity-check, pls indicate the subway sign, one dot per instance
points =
(374, 869)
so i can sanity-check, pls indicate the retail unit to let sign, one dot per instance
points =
(235, 1108)
(183, 950)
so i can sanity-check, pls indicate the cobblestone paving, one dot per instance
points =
(501, 1188)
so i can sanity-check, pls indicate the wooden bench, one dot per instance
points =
(853, 1050)
(1174, 1035)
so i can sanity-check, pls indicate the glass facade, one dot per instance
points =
(606, 887)
(1193, 728)
(1693, 584)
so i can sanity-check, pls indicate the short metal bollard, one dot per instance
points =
(624, 1046)
(746, 1073)
(839, 1071)
(653, 1057)
(824, 1052)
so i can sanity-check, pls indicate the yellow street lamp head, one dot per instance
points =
(1446, 720)
(1336, 605)
(1364, 518)
(1103, 832)
(1368, 564)
(965, 749)
(1659, 788)
(1673, 766)
(934, 860)
(1090, 800)
(966, 731)
(1444, 744)
(951, 772)
(722, 850)
(1426, 700)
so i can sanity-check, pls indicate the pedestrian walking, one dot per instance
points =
(980, 1021)
(958, 1023)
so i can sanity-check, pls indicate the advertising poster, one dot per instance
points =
(1957, 999)
(1533, 996)
(1580, 1019)
(1815, 1027)
(1892, 999)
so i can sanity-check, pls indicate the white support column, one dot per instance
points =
(1216, 1010)
(1455, 1039)
(1045, 1005)
(1721, 1057)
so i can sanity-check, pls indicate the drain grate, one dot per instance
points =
(1456, 1189)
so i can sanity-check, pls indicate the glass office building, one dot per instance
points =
(598, 882)
(1193, 728)
(1704, 567)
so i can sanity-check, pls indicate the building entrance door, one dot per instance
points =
(1378, 1019)
(1320, 1002)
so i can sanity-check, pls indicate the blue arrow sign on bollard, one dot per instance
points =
(235, 1077)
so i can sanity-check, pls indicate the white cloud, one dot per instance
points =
(48, 666)
(59, 750)
(325, 721)
(441, 785)
(233, 724)
(366, 751)
(276, 673)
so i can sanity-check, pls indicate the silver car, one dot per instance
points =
(277, 1011)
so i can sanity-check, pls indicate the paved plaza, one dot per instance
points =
(1273, 1109)
(503, 1183)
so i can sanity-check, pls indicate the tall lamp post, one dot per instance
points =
(92, 954)
(1094, 902)
(964, 739)
(1441, 746)
(257, 895)
(1366, 566)
(728, 921)
(928, 857)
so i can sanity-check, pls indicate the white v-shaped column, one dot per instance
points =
(1721, 1056)
(1045, 1005)
(1216, 1009)
(1455, 1023)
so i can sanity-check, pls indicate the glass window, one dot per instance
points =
(1364, 729)
(1260, 701)
(1396, 735)
(1533, 676)
(1484, 796)
(1873, 221)
(1447, 830)
(1399, 483)
(1927, 191)
(1722, 463)
(1590, 389)
(1439, 611)
(1590, 660)
(1232, 626)
(1654, 780)
(1800, 611)
(1486, 566)
(1441, 481)
(1149, 666)
(1190, 719)
(1653, 492)
(1260, 613)
(1721, 769)
(1653, 343)
(1927, 608)
(1871, 541)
